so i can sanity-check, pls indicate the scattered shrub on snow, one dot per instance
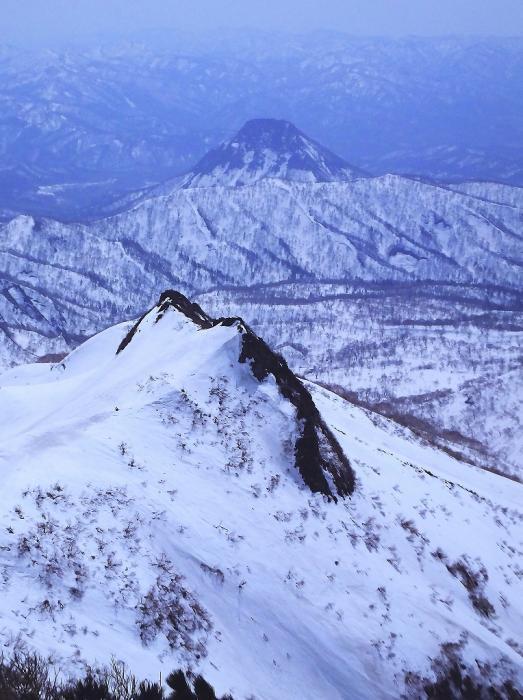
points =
(168, 608)
(182, 690)
(474, 582)
(213, 571)
(455, 680)
(88, 688)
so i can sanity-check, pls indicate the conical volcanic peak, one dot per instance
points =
(270, 148)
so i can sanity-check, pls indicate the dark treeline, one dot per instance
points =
(27, 676)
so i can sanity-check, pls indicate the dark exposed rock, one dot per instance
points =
(318, 456)
(318, 453)
(130, 335)
(190, 309)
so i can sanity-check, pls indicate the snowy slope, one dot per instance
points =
(153, 507)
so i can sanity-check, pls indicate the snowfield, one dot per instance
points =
(152, 510)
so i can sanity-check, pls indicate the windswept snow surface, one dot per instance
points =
(152, 511)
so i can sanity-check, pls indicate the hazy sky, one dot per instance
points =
(30, 20)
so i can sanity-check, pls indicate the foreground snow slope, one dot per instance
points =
(153, 510)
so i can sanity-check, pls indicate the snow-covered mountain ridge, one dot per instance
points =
(372, 229)
(153, 507)
(442, 359)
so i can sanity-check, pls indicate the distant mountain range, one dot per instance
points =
(83, 128)
(417, 283)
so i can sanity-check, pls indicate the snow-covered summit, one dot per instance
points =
(269, 148)
(318, 456)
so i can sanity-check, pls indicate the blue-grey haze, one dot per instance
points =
(30, 21)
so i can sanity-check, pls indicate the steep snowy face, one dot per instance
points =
(269, 148)
(154, 507)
